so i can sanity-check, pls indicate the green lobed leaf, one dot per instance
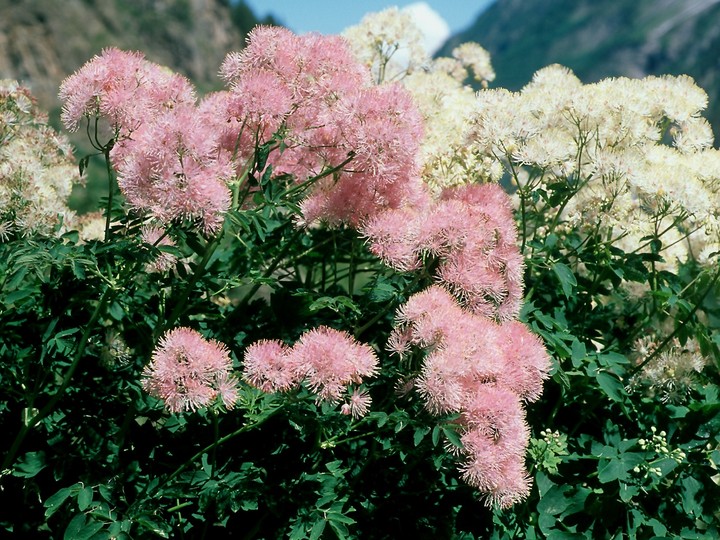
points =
(566, 277)
(55, 501)
(611, 385)
(30, 464)
(84, 498)
(317, 529)
(79, 529)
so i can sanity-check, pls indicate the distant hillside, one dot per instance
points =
(598, 39)
(43, 41)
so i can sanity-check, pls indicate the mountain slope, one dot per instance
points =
(603, 39)
(43, 41)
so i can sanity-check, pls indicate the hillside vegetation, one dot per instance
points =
(602, 39)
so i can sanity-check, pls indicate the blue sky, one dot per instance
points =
(332, 16)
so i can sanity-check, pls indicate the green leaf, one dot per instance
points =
(74, 527)
(627, 492)
(340, 530)
(30, 464)
(262, 154)
(16, 296)
(453, 437)
(84, 498)
(153, 526)
(55, 501)
(78, 270)
(554, 502)
(78, 529)
(382, 291)
(578, 353)
(116, 311)
(340, 518)
(612, 469)
(566, 277)
(317, 529)
(544, 483)
(61, 344)
(420, 434)
(690, 489)
(436, 435)
(611, 385)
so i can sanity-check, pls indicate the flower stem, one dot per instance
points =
(111, 189)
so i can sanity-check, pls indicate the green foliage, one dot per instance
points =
(613, 459)
(617, 450)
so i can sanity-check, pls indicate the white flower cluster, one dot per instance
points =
(669, 375)
(390, 44)
(636, 152)
(660, 447)
(37, 172)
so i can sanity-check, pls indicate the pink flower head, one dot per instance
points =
(434, 316)
(494, 443)
(122, 87)
(358, 404)
(329, 360)
(526, 359)
(493, 469)
(393, 237)
(282, 79)
(381, 128)
(483, 370)
(171, 169)
(266, 367)
(188, 371)
(471, 232)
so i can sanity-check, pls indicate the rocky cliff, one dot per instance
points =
(43, 41)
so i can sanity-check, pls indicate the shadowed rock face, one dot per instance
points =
(43, 41)
(595, 39)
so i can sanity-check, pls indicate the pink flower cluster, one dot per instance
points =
(319, 101)
(471, 232)
(307, 93)
(327, 360)
(480, 361)
(166, 157)
(188, 371)
(484, 371)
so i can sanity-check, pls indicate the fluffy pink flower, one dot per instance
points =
(172, 170)
(124, 88)
(166, 156)
(188, 371)
(282, 79)
(358, 404)
(329, 360)
(492, 469)
(312, 90)
(526, 361)
(483, 370)
(381, 128)
(265, 366)
(494, 445)
(471, 232)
